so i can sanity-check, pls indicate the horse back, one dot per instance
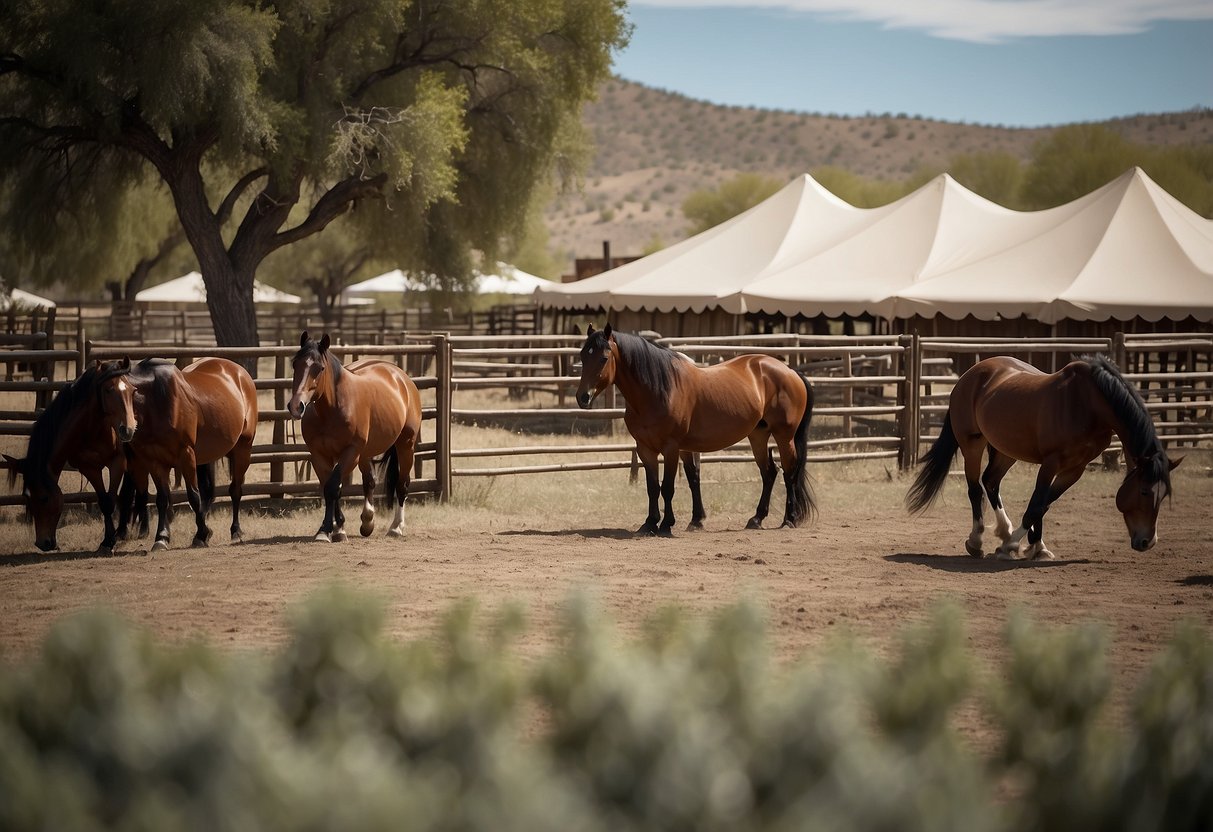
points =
(728, 400)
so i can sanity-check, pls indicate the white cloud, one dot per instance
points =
(985, 21)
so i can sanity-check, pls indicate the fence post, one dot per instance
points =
(443, 363)
(905, 399)
(1119, 352)
(81, 348)
(278, 468)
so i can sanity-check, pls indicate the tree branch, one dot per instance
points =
(333, 204)
(229, 202)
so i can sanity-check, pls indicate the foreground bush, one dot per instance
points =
(688, 728)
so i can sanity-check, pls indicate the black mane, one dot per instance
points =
(1141, 439)
(651, 364)
(312, 347)
(49, 427)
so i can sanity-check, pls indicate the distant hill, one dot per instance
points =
(656, 147)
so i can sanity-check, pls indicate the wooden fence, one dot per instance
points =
(878, 397)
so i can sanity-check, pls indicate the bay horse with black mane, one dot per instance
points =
(73, 431)
(185, 419)
(351, 414)
(676, 409)
(1059, 421)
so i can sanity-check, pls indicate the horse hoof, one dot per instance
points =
(395, 532)
(1043, 554)
(647, 530)
(665, 531)
(338, 536)
(104, 550)
(754, 523)
(366, 529)
(974, 549)
(1006, 554)
(694, 526)
(199, 543)
(237, 537)
(160, 546)
(323, 537)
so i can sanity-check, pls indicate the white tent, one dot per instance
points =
(1128, 249)
(508, 280)
(20, 297)
(189, 288)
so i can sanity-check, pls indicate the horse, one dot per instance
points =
(186, 419)
(678, 410)
(350, 414)
(1059, 421)
(72, 431)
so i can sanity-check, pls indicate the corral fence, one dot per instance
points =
(878, 397)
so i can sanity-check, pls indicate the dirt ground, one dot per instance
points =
(863, 565)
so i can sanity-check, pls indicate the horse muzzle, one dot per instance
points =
(1144, 544)
(584, 400)
(47, 545)
(126, 434)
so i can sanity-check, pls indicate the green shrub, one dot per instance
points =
(690, 726)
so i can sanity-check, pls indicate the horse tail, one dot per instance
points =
(803, 505)
(935, 466)
(389, 470)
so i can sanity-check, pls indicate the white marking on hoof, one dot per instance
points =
(395, 532)
(1002, 524)
(1037, 551)
(160, 546)
(323, 537)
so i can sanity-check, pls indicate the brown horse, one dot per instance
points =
(676, 409)
(72, 431)
(185, 420)
(350, 415)
(1059, 421)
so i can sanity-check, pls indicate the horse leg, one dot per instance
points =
(105, 501)
(690, 466)
(765, 460)
(649, 458)
(667, 489)
(324, 472)
(991, 480)
(164, 508)
(368, 491)
(238, 461)
(405, 451)
(188, 469)
(333, 528)
(1038, 504)
(972, 451)
(1061, 483)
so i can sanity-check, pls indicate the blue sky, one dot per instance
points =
(1004, 62)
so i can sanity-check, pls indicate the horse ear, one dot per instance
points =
(607, 331)
(1174, 463)
(126, 363)
(324, 342)
(589, 330)
(303, 339)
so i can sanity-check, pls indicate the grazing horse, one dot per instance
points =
(72, 431)
(677, 409)
(185, 420)
(350, 415)
(1059, 421)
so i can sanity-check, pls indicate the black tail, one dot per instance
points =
(389, 470)
(934, 473)
(801, 490)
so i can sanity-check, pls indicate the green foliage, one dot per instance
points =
(689, 726)
(708, 208)
(997, 176)
(1074, 161)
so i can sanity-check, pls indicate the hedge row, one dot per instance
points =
(689, 727)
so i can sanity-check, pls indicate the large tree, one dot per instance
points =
(436, 118)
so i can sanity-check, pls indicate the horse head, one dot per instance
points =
(117, 394)
(308, 365)
(43, 500)
(599, 355)
(1145, 486)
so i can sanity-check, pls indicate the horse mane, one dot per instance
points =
(51, 425)
(160, 372)
(331, 361)
(1141, 438)
(651, 364)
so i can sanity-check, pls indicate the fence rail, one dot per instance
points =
(878, 397)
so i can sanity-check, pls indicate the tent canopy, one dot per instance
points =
(189, 288)
(1128, 249)
(20, 297)
(508, 280)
